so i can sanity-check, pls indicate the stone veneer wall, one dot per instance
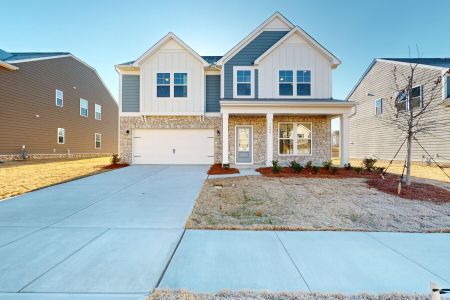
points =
(321, 139)
(168, 122)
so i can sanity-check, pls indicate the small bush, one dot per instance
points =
(358, 169)
(115, 159)
(379, 170)
(258, 213)
(327, 164)
(369, 163)
(348, 166)
(333, 170)
(309, 164)
(276, 168)
(226, 166)
(315, 169)
(297, 167)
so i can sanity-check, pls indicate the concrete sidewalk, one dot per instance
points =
(345, 262)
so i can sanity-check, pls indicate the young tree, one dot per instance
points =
(417, 97)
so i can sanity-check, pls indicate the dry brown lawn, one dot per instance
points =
(18, 177)
(164, 294)
(419, 171)
(263, 203)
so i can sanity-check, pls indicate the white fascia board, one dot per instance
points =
(251, 36)
(155, 113)
(161, 42)
(334, 60)
(8, 66)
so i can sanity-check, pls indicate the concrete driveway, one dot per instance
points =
(107, 234)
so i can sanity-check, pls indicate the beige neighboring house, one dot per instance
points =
(370, 136)
(54, 105)
(268, 98)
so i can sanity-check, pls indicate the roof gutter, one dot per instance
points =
(8, 66)
(288, 103)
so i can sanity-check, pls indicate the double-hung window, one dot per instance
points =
(244, 83)
(447, 87)
(378, 106)
(285, 84)
(162, 84)
(59, 98)
(295, 138)
(98, 141)
(303, 83)
(405, 103)
(98, 112)
(180, 85)
(61, 135)
(84, 108)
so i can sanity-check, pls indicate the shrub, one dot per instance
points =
(358, 169)
(369, 163)
(297, 167)
(333, 170)
(348, 166)
(226, 166)
(309, 164)
(379, 170)
(115, 159)
(276, 168)
(315, 169)
(327, 164)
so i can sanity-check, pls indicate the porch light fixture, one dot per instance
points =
(218, 132)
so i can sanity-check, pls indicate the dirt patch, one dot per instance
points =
(217, 169)
(164, 294)
(295, 203)
(114, 166)
(321, 173)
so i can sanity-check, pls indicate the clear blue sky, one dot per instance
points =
(104, 33)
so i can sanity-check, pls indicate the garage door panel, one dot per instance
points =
(173, 146)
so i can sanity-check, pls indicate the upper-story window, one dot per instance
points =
(447, 87)
(406, 104)
(303, 83)
(98, 112)
(59, 98)
(84, 108)
(378, 106)
(162, 84)
(285, 84)
(243, 79)
(180, 84)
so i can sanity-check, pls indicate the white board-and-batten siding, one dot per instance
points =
(172, 58)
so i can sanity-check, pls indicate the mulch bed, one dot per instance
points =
(389, 185)
(217, 169)
(114, 166)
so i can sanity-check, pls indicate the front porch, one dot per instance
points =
(258, 132)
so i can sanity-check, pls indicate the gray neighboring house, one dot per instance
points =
(370, 136)
(56, 106)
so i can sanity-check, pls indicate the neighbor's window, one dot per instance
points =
(303, 83)
(244, 83)
(84, 108)
(299, 143)
(59, 98)
(61, 135)
(285, 85)
(98, 112)
(401, 101)
(378, 106)
(180, 84)
(163, 84)
(416, 97)
(447, 94)
(98, 141)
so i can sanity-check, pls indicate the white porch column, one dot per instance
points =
(343, 139)
(225, 138)
(269, 139)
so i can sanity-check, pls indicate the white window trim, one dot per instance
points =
(236, 144)
(407, 98)
(63, 135)
(87, 109)
(56, 98)
(252, 81)
(187, 85)
(95, 140)
(294, 83)
(381, 102)
(95, 111)
(294, 138)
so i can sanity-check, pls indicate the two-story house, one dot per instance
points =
(268, 98)
(54, 105)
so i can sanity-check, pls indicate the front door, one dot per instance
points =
(244, 144)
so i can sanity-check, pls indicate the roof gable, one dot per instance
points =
(172, 41)
(276, 22)
(305, 37)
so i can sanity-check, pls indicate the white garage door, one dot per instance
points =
(173, 146)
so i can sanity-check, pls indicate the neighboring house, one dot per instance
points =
(269, 98)
(372, 136)
(54, 105)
